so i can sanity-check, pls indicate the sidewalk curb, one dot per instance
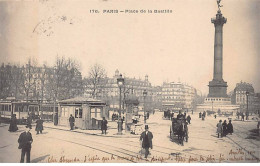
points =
(117, 136)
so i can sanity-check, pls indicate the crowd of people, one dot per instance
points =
(223, 129)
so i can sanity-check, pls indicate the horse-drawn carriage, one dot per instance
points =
(179, 130)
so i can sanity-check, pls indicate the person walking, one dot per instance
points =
(71, 120)
(13, 124)
(146, 140)
(230, 128)
(104, 125)
(200, 115)
(188, 119)
(219, 128)
(39, 126)
(25, 140)
(224, 125)
(56, 119)
(243, 117)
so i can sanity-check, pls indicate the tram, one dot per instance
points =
(23, 109)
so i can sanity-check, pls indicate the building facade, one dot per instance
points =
(178, 96)
(245, 96)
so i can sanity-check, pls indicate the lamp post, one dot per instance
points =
(144, 94)
(247, 113)
(212, 106)
(120, 83)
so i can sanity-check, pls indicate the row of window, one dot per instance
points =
(217, 99)
(18, 108)
(94, 112)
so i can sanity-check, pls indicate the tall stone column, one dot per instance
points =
(219, 21)
(218, 87)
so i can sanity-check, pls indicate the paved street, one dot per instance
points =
(56, 145)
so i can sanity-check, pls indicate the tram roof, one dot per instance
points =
(81, 100)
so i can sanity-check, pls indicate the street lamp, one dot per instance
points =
(120, 83)
(247, 113)
(144, 94)
(212, 106)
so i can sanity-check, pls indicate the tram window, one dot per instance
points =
(6, 107)
(25, 108)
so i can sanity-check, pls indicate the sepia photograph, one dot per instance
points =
(129, 81)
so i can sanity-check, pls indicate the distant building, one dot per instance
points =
(109, 91)
(239, 97)
(178, 96)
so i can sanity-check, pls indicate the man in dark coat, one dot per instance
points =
(56, 119)
(230, 127)
(146, 140)
(13, 124)
(104, 125)
(71, 120)
(200, 115)
(243, 117)
(25, 140)
(180, 115)
(188, 119)
(39, 126)
(224, 125)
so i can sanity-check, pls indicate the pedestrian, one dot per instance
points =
(71, 120)
(200, 115)
(188, 119)
(243, 117)
(219, 128)
(224, 125)
(172, 115)
(104, 125)
(13, 124)
(247, 115)
(238, 115)
(25, 140)
(148, 114)
(230, 128)
(184, 115)
(56, 119)
(39, 126)
(146, 140)
(180, 115)
(29, 121)
(215, 116)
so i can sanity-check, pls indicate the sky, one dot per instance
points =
(177, 46)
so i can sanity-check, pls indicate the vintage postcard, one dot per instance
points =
(129, 81)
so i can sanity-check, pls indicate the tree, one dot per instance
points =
(29, 79)
(5, 80)
(96, 80)
(65, 80)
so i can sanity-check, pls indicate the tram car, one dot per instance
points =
(46, 111)
(179, 130)
(23, 109)
(19, 108)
